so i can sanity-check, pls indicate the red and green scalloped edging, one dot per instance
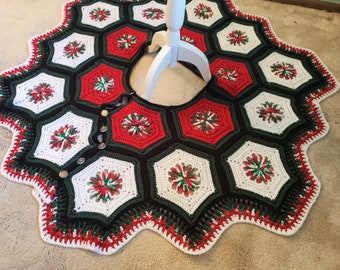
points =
(45, 192)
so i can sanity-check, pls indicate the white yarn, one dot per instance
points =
(164, 186)
(247, 30)
(288, 117)
(44, 150)
(138, 11)
(60, 58)
(302, 75)
(23, 99)
(268, 189)
(208, 21)
(86, 14)
(82, 189)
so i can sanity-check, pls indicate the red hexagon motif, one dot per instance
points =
(101, 85)
(193, 38)
(206, 121)
(126, 42)
(232, 76)
(137, 126)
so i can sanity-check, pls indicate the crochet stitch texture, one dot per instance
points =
(105, 164)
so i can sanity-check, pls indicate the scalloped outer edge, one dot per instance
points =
(45, 193)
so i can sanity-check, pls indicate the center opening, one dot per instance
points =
(175, 86)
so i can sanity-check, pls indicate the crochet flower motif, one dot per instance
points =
(99, 14)
(105, 164)
(237, 37)
(63, 138)
(104, 83)
(205, 121)
(105, 185)
(270, 112)
(227, 74)
(184, 178)
(258, 168)
(137, 125)
(153, 13)
(126, 41)
(203, 11)
(284, 70)
(40, 93)
(74, 49)
(189, 40)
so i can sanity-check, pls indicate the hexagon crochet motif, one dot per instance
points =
(106, 164)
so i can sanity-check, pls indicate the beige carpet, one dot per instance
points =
(243, 246)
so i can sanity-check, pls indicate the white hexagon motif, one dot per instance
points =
(104, 186)
(184, 179)
(151, 13)
(258, 169)
(61, 139)
(203, 12)
(283, 70)
(238, 38)
(40, 93)
(270, 113)
(73, 50)
(99, 14)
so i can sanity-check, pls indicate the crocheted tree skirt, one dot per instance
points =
(106, 164)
